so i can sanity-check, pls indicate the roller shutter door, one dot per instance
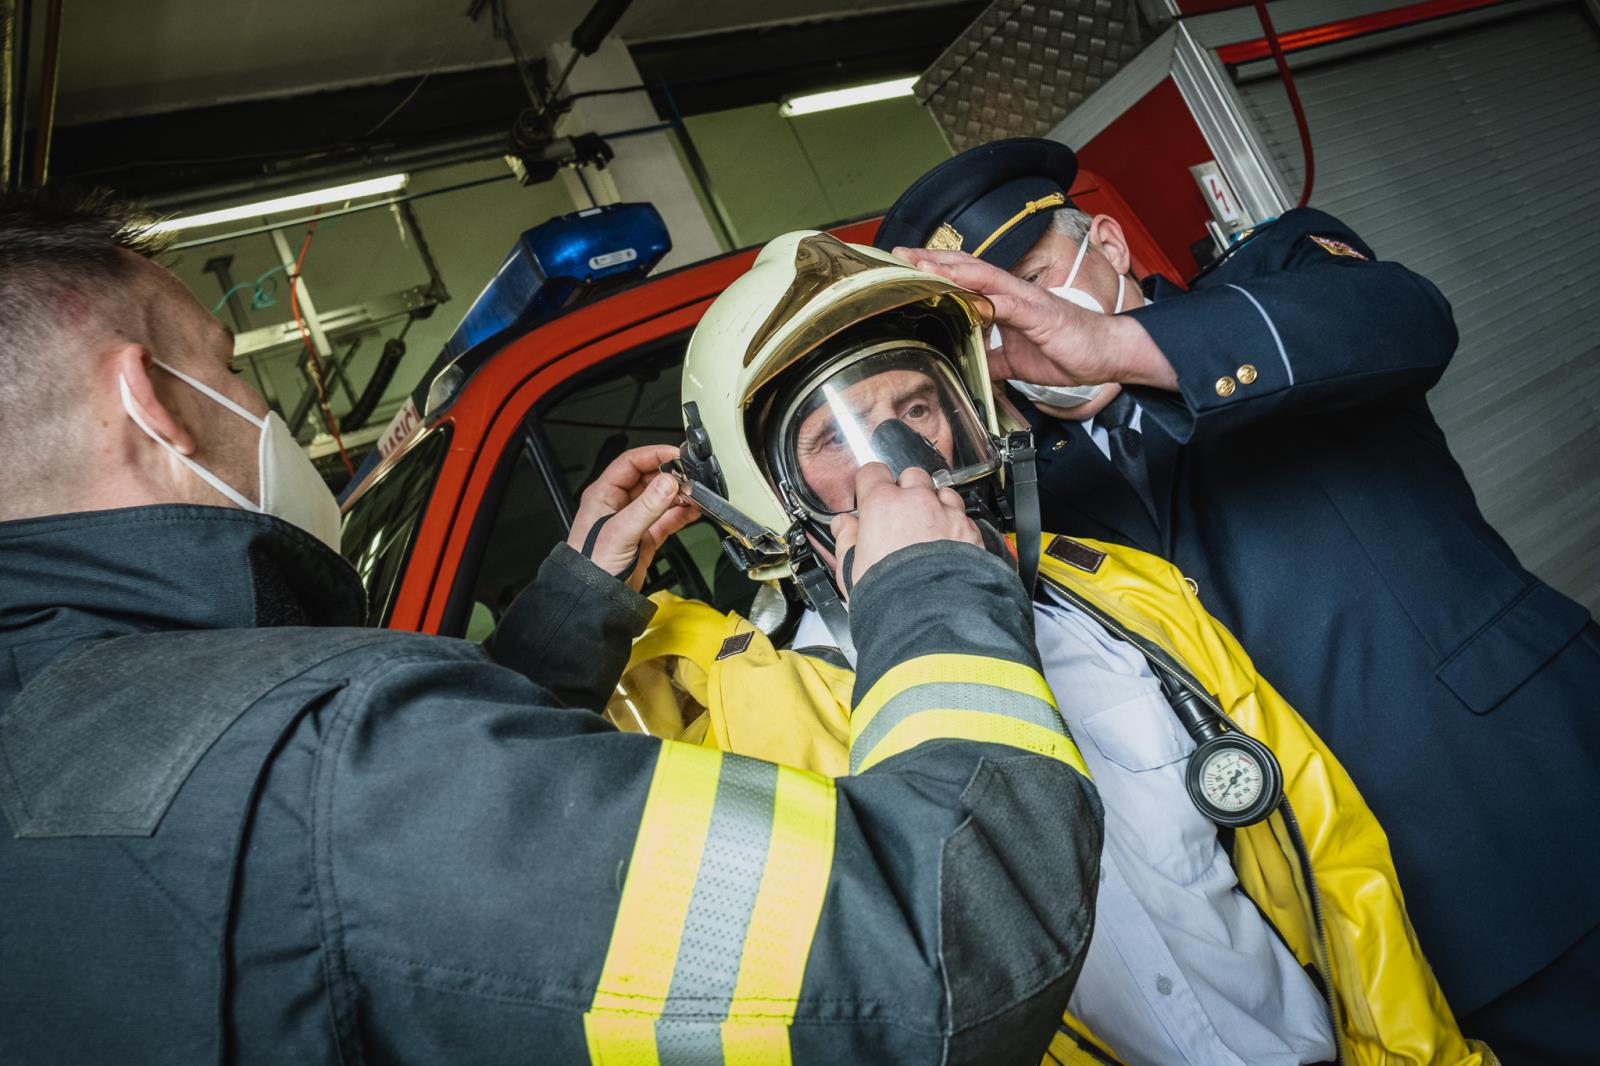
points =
(1473, 157)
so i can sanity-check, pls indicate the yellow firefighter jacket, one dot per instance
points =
(1347, 919)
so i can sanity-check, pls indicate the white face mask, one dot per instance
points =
(291, 488)
(1067, 395)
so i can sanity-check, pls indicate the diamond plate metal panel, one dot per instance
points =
(1023, 65)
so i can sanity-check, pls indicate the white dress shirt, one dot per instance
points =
(1182, 968)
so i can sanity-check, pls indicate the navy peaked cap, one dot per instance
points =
(992, 201)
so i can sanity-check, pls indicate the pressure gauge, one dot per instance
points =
(1234, 779)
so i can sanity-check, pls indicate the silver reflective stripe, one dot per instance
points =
(1262, 311)
(725, 886)
(952, 695)
(689, 1043)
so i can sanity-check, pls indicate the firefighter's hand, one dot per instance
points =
(1046, 340)
(637, 507)
(890, 516)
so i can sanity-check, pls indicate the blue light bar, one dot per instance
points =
(552, 267)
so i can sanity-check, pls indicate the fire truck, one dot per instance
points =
(570, 356)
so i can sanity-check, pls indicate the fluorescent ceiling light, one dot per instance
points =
(811, 103)
(337, 194)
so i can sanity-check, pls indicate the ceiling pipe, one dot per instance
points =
(48, 76)
(12, 41)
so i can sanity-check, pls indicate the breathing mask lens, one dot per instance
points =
(898, 403)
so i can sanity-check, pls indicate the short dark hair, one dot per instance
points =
(46, 232)
(54, 244)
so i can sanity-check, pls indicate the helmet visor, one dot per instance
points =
(898, 403)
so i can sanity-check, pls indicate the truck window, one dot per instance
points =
(381, 525)
(629, 401)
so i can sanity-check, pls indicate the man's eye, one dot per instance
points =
(1033, 279)
(235, 369)
(917, 411)
(818, 443)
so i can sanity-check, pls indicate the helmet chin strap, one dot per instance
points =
(812, 575)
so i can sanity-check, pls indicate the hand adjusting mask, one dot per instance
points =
(1066, 396)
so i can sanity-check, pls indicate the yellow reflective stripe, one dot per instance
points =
(941, 724)
(1020, 711)
(621, 1039)
(946, 669)
(655, 897)
(789, 902)
(634, 1019)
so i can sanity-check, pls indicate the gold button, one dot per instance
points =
(1225, 386)
(1246, 374)
(1194, 586)
(1058, 445)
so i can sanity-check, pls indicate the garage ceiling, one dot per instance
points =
(124, 58)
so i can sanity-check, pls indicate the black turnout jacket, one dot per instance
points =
(241, 828)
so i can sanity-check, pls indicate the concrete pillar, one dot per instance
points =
(647, 166)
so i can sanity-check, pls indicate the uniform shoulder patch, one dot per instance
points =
(1078, 556)
(735, 644)
(1333, 247)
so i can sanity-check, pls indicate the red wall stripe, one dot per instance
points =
(1344, 29)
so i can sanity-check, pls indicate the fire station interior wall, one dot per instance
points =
(1471, 158)
(1158, 126)
(771, 174)
(365, 256)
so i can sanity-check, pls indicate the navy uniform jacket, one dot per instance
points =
(399, 848)
(1301, 480)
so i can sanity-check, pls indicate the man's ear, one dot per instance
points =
(131, 363)
(1113, 242)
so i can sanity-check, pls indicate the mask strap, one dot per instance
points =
(259, 423)
(1072, 275)
(1122, 281)
(820, 593)
(205, 475)
(1024, 476)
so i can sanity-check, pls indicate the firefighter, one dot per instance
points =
(1242, 874)
(242, 828)
(1269, 430)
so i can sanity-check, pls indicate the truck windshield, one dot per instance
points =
(381, 525)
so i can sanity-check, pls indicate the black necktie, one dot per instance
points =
(1127, 447)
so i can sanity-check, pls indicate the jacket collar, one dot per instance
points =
(139, 569)
(1083, 490)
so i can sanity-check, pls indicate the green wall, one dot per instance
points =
(772, 174)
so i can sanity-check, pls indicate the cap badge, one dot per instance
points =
(944, 239)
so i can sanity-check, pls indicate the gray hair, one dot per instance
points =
(1071, 222)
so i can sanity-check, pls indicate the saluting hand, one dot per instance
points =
(1046, 340)
(890, 516)
(640, 512)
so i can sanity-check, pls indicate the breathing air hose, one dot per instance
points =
(1294, 99)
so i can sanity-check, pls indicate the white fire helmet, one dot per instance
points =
(822, 357)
